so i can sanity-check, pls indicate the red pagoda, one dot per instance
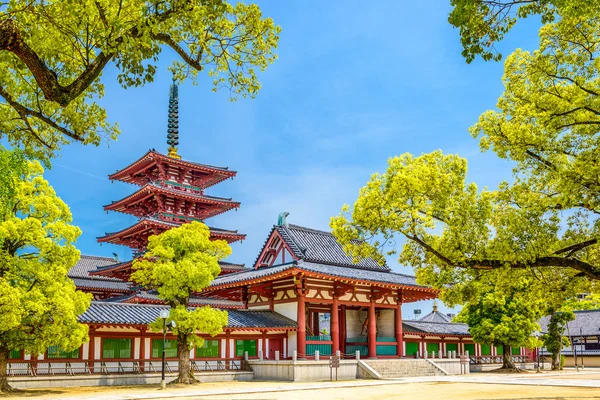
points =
(171, 193)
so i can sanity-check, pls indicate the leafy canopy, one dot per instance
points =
(53, 53)
(484, 23)
(545, 221)
(178, 263)
(40, 304)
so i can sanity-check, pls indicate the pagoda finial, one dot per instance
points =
(435, 306)
(173, 127)
(281, 220)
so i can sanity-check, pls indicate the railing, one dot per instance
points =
(498, 359)
(140, 366)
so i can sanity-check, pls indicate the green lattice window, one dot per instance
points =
(14, 354)
(209, 349)
(433, 347)
(412, 348)
(470, 347)
(58, 352)
(170, 348)
(116, 348)
(242, 346)
(499, 350)
(516, 351)
(451, 347)
(486, 350)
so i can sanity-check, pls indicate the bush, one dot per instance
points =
(562, 362)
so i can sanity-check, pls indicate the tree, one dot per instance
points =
(483, 23)
(178, 263)
(40, 305)
(504, 313)
(554, 341)
(52, 55)
(12, 164)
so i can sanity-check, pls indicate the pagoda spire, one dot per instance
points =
(173, 127)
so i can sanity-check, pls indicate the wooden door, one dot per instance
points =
(275, 345)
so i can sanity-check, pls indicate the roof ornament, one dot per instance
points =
(435, 306)
(173, 126)
(282, 219)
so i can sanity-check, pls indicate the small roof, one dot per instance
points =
(151, 297)
(586, 323)
(95, 284)
(151, 158)
(90, 263)
(321, 247)
(108, 313)
(357, 275)
(436, 316)
(437, 328)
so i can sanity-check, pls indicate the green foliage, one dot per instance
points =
(553, 339)
(53, 53)
(484, 23)
(179, 262)
(12, 165)
(40, 304)
(504, 312)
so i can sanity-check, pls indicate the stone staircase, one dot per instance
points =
(389, 369)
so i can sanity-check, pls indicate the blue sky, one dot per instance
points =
(355, 83)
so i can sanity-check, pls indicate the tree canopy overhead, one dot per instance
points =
(547, 123)
(39, 303)
(52, 54)
(484, 23)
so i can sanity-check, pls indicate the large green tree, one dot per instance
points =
(484, 23)
(547, 217)
(53, 53)
(504, 312)
(39, 304)
(178, 263)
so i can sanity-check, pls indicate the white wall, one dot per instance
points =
(289, 310)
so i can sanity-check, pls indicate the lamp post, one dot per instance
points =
(537, 352)
(164, 314)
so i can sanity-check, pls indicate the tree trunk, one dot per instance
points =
(556, 361)
(4, 386)
(507, 357)
(186, 374)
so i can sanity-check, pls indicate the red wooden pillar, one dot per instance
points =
(335, 326)
(301, 318)
(227, 350)
(271, 304)
(343, 329)
(372, 331)
(91, 350)
(399, 344)
(315, 324)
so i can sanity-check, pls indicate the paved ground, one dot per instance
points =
(566, 385)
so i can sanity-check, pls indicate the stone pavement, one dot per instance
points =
(587, 379)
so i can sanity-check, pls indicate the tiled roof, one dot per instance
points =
(586, 323)
(321, 247)
(332, 270)
(436, 316)
(232, 266)
(90, 263)
(152, 297)
(142, 314)
(439, 328)
(114, 285)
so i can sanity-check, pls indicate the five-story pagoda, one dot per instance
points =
(171, 193)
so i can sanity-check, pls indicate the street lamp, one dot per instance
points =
(164, 314)
(537, 351)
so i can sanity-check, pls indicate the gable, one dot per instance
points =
(275, 251)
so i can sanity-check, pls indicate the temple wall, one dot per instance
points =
(386, 324)
(289, 310)
(354, 322)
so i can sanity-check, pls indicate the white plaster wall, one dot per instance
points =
(85, 350)
(289, 310)
(136, 347)
(97, 348)
(259, 307)
(232, 347)
(386, 326)
(292, 342)
(148, 349)
(354, 322)
(223, 347)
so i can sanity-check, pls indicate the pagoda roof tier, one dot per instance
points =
(177, 204)
(136, 236)
(154, 166)
(151, 297)
(122, 270)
